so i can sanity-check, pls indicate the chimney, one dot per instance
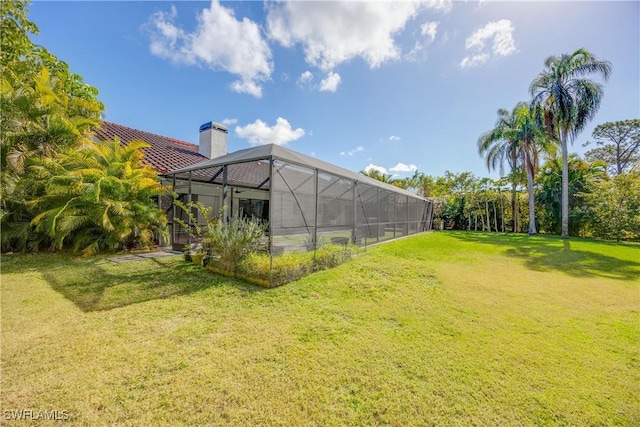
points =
(213, 140)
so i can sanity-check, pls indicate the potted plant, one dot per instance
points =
(198, 256)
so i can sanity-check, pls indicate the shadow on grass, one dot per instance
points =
(552, 253)
(99, 284)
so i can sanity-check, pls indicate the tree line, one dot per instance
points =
(597, 196)
(604, 190)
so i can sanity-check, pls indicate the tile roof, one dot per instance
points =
(164, 155)
(168, 154)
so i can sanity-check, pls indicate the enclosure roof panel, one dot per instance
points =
(277, 152)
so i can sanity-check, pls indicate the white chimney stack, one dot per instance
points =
(213, 140)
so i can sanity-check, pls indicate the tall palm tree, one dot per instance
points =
(521, 138)
(568, 101)
(496, 147)
(532, 140)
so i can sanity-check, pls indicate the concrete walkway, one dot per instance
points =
(149, 255)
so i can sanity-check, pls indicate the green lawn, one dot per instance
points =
(437, 329)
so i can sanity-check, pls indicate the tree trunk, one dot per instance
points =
(528, 165)
(532, 214)
(515, 208)
(514, 199)
(486, 208)
(565, 185)
(495, 217)
(502, 211)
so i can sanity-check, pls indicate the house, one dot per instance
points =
(305, 201)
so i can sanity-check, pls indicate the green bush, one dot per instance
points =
(291, 266)
(231, 243)
(330, 256)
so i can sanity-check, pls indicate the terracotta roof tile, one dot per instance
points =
(168, 154)
(164, 155)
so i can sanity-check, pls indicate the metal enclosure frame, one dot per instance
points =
(310, 202)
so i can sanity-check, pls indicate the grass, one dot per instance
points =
(438, 329)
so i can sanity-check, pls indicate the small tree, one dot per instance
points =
(196, 230)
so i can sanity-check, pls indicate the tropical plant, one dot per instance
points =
(582, 175)
(96, 198)
(568, 101)
(497, 147)
(614, 207)
(518, 135)
(45, 109)
(377, 174)
(618, 145)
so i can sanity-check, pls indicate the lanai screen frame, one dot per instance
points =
(276, 155)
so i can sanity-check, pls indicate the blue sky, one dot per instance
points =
(396, 85)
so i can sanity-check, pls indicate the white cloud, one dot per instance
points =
(376, 167)
(220, 42)
(440, 5)
(499, 34)
(228, 121)
(332, 33)
(305, 78)
(395, 138)
(474, 60)
(401, 167)
(429, 29)
(259, 132)
(412, 56)
(330, 83)
(358, 149)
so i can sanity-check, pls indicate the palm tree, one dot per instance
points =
(568, 101)
(520, 136)
(99, 197)
(497, 148)
(377, 174)
(532, 140)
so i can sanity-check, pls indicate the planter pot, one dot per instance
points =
(197, 258)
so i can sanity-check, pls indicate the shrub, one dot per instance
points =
(291, 266)
(330, 256)
(93, 198)
(232, 242)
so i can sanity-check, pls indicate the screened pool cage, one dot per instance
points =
(305, 202)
